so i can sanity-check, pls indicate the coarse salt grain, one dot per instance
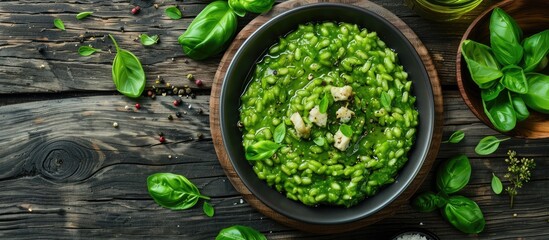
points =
(411, 236)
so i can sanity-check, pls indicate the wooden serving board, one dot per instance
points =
(228, 167)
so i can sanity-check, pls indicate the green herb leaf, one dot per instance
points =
(386, 100)
(521, 111)
(488, 145)
(464, 214)
(324, 102)
(482, 65)
(173, 191)
(501, 113)
(537, 97)
(453, 174)
(83, 15)
(208, 209)
(279, 133)
(536, 48)
(210, 32)
(239, 232)
(514, 79)
(240, 7)
(428, 202)
(456, 137)
(59, 24)
(505, 36)
(497, 186)
(147, 40)
(173, 12)
(127, 72)
(320, 141)
(491, 93)
(87, 50)
(346, 130)
(261, 150)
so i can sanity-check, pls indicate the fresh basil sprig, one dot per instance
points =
(453, 174)
(240, 7)
(488, 145)
(456, 137)
(537, 97)
(497, 186)
(464, 214)
(505, 37)
(514, 79)
(501, 112)
(173, 191)
(83, 15)
(428, 202)
(147, 40)
(87, 50)
(127, 72)
(173, 12)
(482, 65)
(239, 232)
(208, 209)
(536, 48)
(58, 23)
(261, 150)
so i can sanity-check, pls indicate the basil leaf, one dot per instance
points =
(456, 137)
(240, 7)
(323, 107)
(482, 65)
(501, 113)
(127, 72)
(173, 191)
(488, 145)
(386, 100)
(464, 214)
(239, 232)
(521, 111)
(87, 50)
(537, 97)
(536, 48)
(428, 202)
(83, 15)
(261, 150)
(173, 12)
(210, 32)
(59, 24)
(505, 36)
(208, 209)
(147, 40)
(279, 133)
(346, 130)
(453, 174)
(491, 93)
(497, 186)
(320, 141)
(514, 79)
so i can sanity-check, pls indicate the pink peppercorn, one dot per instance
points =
(138, 106)
(162, 139)
(136, 10)
(198, 82)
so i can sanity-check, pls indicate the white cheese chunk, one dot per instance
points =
(341, 141)
(320, 119)
(341, 93)
(302, 130)
(344, 114)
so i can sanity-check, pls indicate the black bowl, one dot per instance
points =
(239, 73)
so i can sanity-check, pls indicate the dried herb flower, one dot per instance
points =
(518, 173)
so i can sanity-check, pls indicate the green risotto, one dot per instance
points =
(328, 117)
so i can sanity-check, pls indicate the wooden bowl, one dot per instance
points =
(531, 15)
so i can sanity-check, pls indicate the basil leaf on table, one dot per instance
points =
(536, 48)
(453, 174)
(497, 186)
(537, 97)
(505, 37)
(173, 12)
(464, 214)
(279, 133)
(127, 72)
(83, 15)
(147, 40)
(491, 93)
(324, 103)
(173, 191)
(501, 112)
(239, 232)
(482, 65)
(208, 209)
(240, 7)
(386, 100)
(261, 150)
(488, 145)
(58, 23)
(521, 111)
(428, 202)
(456, 137)
(87, 50)
(210, 32)
(346, 130)
(514, 79)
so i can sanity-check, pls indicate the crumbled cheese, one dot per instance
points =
(341, 93)
(318, 118)
(344, 114)
(341, 141)
(302, 130)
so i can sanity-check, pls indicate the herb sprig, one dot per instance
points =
(519, 172)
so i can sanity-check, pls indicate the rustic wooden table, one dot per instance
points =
(66, 173)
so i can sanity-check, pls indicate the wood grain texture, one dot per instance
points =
(265, 209)
(532, 18)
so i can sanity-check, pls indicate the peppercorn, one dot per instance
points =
(188, 90)
(149, 93)
(170, 117)
(198, 82)
(137, 106)
(190, 76)
(193, 96)
(162, 139)
(177, 102)
(178, 114)
(136, 10)
(160, 134)
(181, 92)
(275, 72)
